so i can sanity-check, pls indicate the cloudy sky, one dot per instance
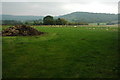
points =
(57, 7)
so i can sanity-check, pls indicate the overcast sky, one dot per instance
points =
(57, 7)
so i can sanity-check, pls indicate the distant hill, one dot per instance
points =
(20, 18)
(72, 17)
(90, 17)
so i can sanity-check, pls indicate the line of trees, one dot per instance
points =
(47, 20)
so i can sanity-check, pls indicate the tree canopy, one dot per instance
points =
(60, 21)
(48, 20)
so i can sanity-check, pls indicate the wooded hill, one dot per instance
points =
(72, 17)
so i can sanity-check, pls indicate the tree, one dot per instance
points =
(98, 23)
(48, 20)
(58, 21)
(37, 22)
(61, 21)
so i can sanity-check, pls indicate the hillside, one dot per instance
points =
(20, 18)
(72, 17)
(89, 17)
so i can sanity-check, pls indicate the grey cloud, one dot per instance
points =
(46, 8)
(24, 8)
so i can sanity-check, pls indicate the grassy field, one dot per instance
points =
(62, 52)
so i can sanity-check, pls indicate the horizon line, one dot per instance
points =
(62, 14)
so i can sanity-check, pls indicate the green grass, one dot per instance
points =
(63, 52)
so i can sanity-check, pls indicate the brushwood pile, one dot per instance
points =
(21, 30)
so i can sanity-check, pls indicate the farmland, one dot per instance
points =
(62, 52)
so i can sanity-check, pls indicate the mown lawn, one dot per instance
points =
(62, 52)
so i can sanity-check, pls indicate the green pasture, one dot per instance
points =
(62, 52)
